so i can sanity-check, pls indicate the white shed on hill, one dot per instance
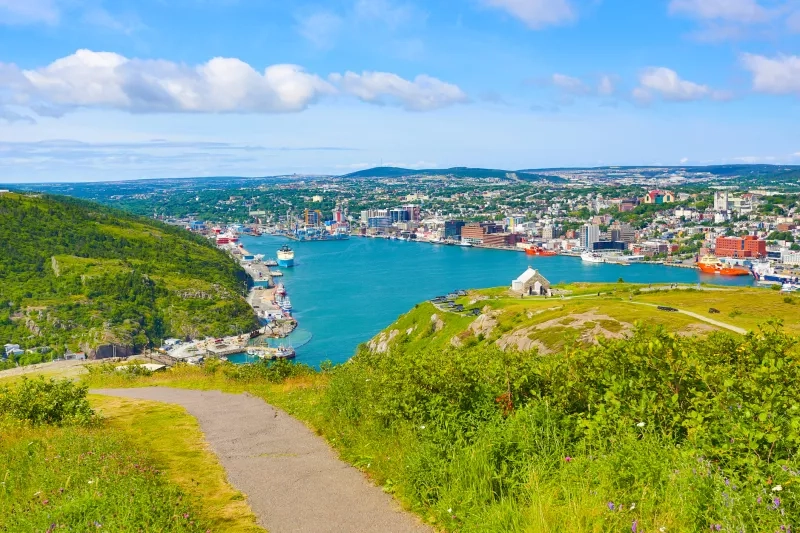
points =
(531, 283)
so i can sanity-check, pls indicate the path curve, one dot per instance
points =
(294, 482)
(723, 325)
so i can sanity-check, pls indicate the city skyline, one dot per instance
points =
(91, 90)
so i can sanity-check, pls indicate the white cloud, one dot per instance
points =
(569, 84)
(537, 14)
(28, 12)
(320, 28)
(606, 86)
(424, 93)
(684, 160)
(221, 85)
(664, 82)
(779, 75)
(747, 11)
(391, 14)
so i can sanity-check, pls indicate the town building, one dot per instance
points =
(628, 204)
(622, 232)
(312, 218)
(452, 229)
(590, 234)
(749, 246)
(659, 197)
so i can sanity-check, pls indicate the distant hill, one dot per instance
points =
(455, 172)
(78, 274)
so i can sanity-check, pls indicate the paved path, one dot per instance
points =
(293, 481)
(723, 325)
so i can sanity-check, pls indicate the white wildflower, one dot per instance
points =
(640, 424)
(450, 510)
(633, 506)
(662, 529)
(422, 427)
(777, 488)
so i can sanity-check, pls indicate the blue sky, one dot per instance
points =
(101, 89)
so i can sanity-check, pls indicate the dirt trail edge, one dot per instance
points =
(293, 480)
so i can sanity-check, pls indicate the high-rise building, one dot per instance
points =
(590, 234)
(721, 201)
(399, 214)
(452, 229)
(622, 232)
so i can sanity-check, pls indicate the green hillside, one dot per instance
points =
(79, 275)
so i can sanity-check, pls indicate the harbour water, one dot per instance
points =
(345, 292)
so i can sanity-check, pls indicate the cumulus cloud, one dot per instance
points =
(665, 83)
(748, 11)
(424, 93)
(569, 84)
(222, 85)
(606, 86)
(536, 14)
(778, 75)
(28, 12)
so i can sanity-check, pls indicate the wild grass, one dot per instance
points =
(84, 479)
(175, 443)
(143, 468)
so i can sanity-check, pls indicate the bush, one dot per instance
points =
(53, 402)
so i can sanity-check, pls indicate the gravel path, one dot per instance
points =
(293, 481)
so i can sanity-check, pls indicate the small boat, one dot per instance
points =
(711, 264)
(271, 263)
(465, 244)
(280, 290)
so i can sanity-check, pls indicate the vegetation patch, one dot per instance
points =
(76, 275)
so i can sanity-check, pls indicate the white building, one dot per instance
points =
(590, 234)
(721, 202)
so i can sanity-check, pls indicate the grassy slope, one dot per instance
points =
(175, 442)
(81, 274)
(575, 318)
(146, 467)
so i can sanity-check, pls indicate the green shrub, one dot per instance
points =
(39, 401)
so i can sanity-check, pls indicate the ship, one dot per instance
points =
(592, 257)
(711, 264)
(539, 251)
(766, 273)
(286, 256)
(465, 244)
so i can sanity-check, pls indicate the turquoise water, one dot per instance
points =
(345, 292)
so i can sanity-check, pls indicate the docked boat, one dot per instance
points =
(465, 244)
(286, 256)
(592, 257)
(766, 273)
(280, 290)
(711, 264)
(284, 303)
(271, 263)
(790, 287)
(539, 251)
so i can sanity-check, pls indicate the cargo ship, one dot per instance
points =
(765, 273)
(711, 264)
(539, 251)
(286, 257)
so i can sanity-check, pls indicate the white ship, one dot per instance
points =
(592, 257)
(286, 257)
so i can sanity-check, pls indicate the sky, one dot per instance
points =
(126, 89)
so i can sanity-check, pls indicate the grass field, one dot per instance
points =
(175, 443)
